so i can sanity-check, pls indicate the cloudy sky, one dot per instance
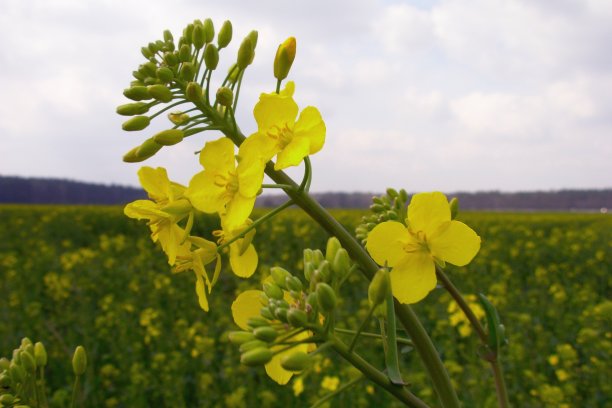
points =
(426, 95)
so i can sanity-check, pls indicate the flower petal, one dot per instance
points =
(274, 369)
(310, 125)
(414, 277)
(204, 194)
(238, 211)
(275, 110)
(155, 182)
(386, 242)
(293, 153)
(218, 155)
(201, 292)
(243, 265)
(144, 209)
(427, 211)
(457, 243)
(245, 306)
(250, 176)
(258, 146)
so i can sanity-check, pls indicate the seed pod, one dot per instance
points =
(253, 344)
(161, 93)
(169, 137)
(131, 109)
(333, 245)
(164, 74)
(280, 275)
(211, 56)
(296, 362)
(225, 96)
(272, 291)
(79, 361)
(285, 54)
(184, 53)
(137, 93)
(136, 123)
(198, 37)
(245, 54)
(193, 92)
(379, 287)
(256, 357)
(187, 71)
(240, 337)
(297, 317)
(265, 333)
(326, 297)
(225, 34)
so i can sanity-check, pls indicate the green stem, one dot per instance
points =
(500, 384)
(400, 340)
(153, 116)
(375, 375)
(75, 389)
(283, 186)
(336, 392)
(278, 85)
(361, 327)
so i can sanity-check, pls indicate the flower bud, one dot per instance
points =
(164, 74)
(296, 362)
(131, 109)
(148, 69)
(79, 361)
(139, 75)
(279, 275)
(28, 362)
(4, 364)
(266, 313)
(160, 92)
(132, 156)
(308, 256)
(209, 30)
(240, 337)
(5, 381)
(17, 372)
(193, 92)
(256, 357)
(253, 344)
(169, 137)
(211, 56)
(326, 297)
(232, 73)
(168, 36)
(188, 33)
(285, 54)
(178, 118)
(198, 37)
(379, 287)
(257, 321)
(187, 71)
(317, 257)
(297, 317)
(136, 123)
(225, 34)
(265, 333)
(225, 96)
(148, 149)
(40, 354)
(293, 283)
(184, 53)
(309, 270)
(245, 53)
(281, 314)
(333, 245)
(324, 272)
(171, 59)
(454, 207)
(342, 262)
(6, 400)
(137, 93)
(272, 290)
(253, 35)
(146, 52)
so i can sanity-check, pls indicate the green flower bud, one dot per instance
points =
(178, 118)
(184, 53)
(378, 208)
(240, 337)
(266, 313)
(285, 54)
(256, 357)
(211, 56)
(454, 207)
(379, 287)
(253, 35)
(317, 257)
(164, 74)
(6, 400)
(281, 314)
(333, 245)
(225, 34)
(193, 92)
(403, 195)
(137, 93)
(161, 93)
(187, 71)
(171, 59)
(79, 361)
(151, 81)
(309, 270)
(293, 283)
(169, 137)
(28, 362)
(136, 123)
(168, 36)
(146, 52)
(297, 317)
(265, 333)
(17, 372)
(245, 54)
(324, 272)
(148, 149)
(5, 380)
(257, 321)
(326, 297)
(253, 344)
(280, 275)
(198, 37)
(148, 69)
(272, 290)
(153, 48)
(209, 30)
(232, 73)
(188, 33)
(225, 96)
(131, 109)
(307, 256)
(342, 262)
(4, 364)
(132, 156)
(28, 347)
(295, 362)
(40, 354)
(138, 75)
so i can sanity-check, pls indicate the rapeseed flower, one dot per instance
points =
(242, 255)
(280, 134)
(412, 250)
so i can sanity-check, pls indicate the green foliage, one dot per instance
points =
(88, 275)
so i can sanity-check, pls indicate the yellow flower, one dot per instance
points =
(165, 209)
(242, 255)
(247, 305)
(330, 383)
(223, 187)
(279, 133)
(458, 319)
(298, 386)
(412, 251)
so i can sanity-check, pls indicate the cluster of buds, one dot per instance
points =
(22, 377)
(290, 306)
(179, 73)
(388, 207)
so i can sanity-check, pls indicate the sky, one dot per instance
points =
(451, 95)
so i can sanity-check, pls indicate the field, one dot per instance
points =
(89, 275)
